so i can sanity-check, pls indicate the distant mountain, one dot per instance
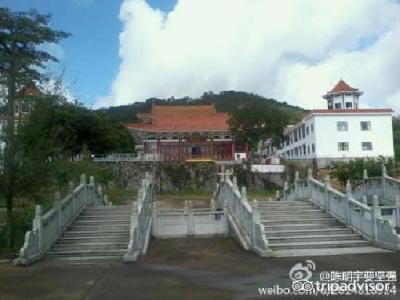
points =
(225, 101)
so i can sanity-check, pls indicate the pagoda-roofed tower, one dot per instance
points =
(343, 96)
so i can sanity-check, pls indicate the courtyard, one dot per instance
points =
(215, 268)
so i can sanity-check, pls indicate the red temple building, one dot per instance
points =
(185, 133)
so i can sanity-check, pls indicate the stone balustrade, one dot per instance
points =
(242, 217)
(141, 220)
(377, 222)
(48, 227)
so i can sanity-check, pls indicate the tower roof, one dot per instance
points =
(342, 86)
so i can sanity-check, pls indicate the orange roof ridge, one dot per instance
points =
(184, 118)
(342, 86)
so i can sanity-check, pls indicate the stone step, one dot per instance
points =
(281, 204)
(315, 231)
(100, 222)
(103, 217)
(90, 239)
(83, 260)
(309, 221)
(284, 209)
(95, 233)
(113, 207)
(84, 253)
(291, 219)
(290, 212)
(284, 204)
(312, 238)
(321, 244)
(107, 213)
(90, 246)
(294, 216)
(304, 226)
(329, 251)
(98, 227)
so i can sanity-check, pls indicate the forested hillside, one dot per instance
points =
(226, 101)
(253, 118)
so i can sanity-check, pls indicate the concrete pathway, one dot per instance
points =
(177, 269)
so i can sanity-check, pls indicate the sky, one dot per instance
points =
(123, 51)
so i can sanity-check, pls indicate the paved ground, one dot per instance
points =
(177, 269)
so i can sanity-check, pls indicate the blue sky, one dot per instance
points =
(90, 56)
(292, 51)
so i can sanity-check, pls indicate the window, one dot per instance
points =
(313, 148)
(308, 149)
(312, 127)
(365, 125)
(349, 104)
(307, 130)
(366, 146)
(338, 105)
(342, 126)
(343, 146)
(303, 130)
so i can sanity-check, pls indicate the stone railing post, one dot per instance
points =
(212, 204)
(285, 190)
(57, 207)
(99, 196)
(235, 183)
(365, 200)
(227, 176)
(309, 177)
(73, 198)
(84, 183)
(156, 220)
(38, 226)
(296, 184)
(347, 203)
(374, 216)
(327, 185)
(243, 199)
(384, 173)
(398, 210)
(190, 218)
(105, 200)
(91, 191)
(277, 195)
(256, 219)
(222, 177)
(365, 179)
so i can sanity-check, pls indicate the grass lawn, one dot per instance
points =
(260, 194)
(186, 194)
(121, 196)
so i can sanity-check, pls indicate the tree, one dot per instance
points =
(21, 62)
(256, 121)
(396, 137)
(61, 129)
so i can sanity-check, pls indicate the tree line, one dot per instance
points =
(38, 146)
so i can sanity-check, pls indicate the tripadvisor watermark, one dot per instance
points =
(327, 283)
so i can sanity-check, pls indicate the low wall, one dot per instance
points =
(168, 176)
(187, 221)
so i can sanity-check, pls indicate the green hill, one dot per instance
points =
(226, 101)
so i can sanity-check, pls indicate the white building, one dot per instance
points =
(340, 133)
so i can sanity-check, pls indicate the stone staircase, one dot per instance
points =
(99, 234)
(300, 228)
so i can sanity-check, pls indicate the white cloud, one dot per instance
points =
(290, 50)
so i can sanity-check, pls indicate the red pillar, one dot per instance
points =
(233, 150)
